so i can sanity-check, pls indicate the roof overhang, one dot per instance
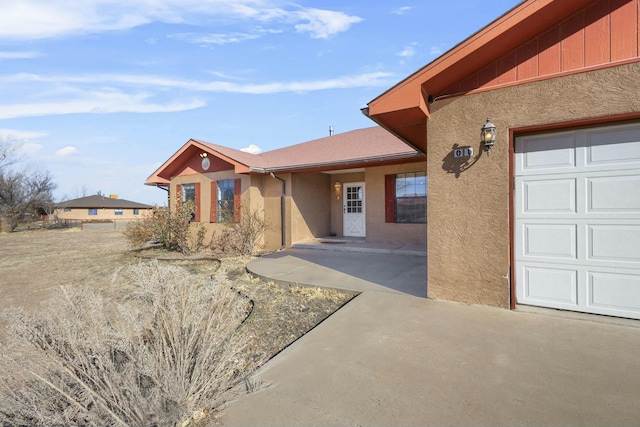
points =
(162, 176)
(344, 165)
(404, 109)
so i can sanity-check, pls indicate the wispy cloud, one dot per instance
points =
(252, 148)
(67, 151)
(37, 19)
(15, 136)
(401, 10)
(218, 39)
(18, 55)
(408, 52)
(135, 93)
(96, 102)
(322, 24)
(435, 50)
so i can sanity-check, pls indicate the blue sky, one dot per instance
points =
(102, 92)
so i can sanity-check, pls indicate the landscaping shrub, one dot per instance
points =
(241, 238)
(162, 356)
(172, 230)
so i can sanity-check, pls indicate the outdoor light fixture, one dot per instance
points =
(488, 135)
(203, 155)
(337, 185)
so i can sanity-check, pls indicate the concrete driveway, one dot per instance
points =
(389, 358)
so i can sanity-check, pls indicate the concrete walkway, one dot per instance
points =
(389, 358)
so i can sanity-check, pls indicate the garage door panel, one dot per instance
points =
(547, 153)
(611, 146)
(550, 286)
(577, 220)
(614, 291)
(614, 194)
(550, 241)
(615, 243)
(548, 196)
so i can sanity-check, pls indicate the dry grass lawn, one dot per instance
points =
(34, 263)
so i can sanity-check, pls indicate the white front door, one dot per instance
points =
(353, 207)
(577, 219)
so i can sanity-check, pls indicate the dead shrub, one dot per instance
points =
(172, 230)
(162, 356)
(240, 238)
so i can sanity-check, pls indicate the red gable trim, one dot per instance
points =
(490, 57)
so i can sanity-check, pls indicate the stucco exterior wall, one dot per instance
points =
(310, 213)
(379, 231)
(468, 202)
(205, 196)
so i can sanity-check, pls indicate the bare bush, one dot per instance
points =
(172, 230)
(162, 356)
(241, 238)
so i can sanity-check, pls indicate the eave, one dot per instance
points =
(404, 109)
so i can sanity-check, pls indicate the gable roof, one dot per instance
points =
(351, 149)
(97, 201)
(404, 108)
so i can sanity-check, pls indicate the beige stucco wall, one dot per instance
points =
(310, 214)
(377, 230)
(468, 201)
(103, 214)
(205, 196)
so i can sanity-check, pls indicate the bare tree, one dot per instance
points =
(24, 192)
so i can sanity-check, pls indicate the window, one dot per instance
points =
(93, 211)
(117, 211)
(136, 211)
(224, 200)
(67, 209)
(188, 192)
(406, 198)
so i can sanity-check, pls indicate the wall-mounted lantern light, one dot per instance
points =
(337, 185)
(488, 135)
(203, 155)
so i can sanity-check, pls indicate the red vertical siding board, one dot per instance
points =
(549, 48)
(624, 32)
(507, 68)
(236, 200)
(597, 34)
(197, 201)
(469, 83)
(527, 60)
(572, 45)
(213, 215)
(488, 76)
(389, 198)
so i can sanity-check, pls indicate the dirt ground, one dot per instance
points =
(34, 263)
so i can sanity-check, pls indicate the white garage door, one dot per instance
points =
(577, 220)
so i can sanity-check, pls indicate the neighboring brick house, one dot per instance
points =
(99, 207)
(552, 217)
(364, 183)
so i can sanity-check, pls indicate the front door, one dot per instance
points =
(353, 207)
